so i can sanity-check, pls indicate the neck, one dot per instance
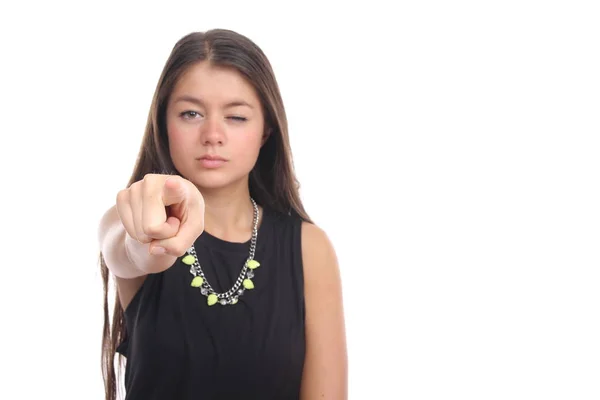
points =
(228, 213)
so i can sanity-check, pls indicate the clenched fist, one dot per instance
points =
(165, 211)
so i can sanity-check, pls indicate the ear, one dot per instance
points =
(266, 136)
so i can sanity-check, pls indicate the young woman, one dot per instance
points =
(225, 288)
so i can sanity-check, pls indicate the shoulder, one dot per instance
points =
(315, 242)
(319, 258)
(315, 239)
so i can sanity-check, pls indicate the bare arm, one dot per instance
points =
(141, 212)
(127, 259)
(326, 365)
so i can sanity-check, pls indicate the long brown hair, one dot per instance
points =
(272, 181)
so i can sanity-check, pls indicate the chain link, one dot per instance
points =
(235, 290)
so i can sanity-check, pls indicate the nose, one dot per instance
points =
(212, 133)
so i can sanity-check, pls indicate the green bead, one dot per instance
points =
(234, 301)
(189, 259)
(212, 299)
(197, 281)
(253, 264)
(248, 284)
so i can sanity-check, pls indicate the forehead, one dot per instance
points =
(214, 84)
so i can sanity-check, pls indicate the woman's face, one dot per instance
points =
(215, 126)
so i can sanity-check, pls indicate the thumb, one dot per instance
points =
(174, 191)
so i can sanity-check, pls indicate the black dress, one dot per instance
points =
(179, 347)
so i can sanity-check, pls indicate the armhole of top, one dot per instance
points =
(123, 347)
(299, 262)
(136, 297)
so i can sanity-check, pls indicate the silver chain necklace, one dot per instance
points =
(244, 280)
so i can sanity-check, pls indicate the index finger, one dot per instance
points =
(155, 222)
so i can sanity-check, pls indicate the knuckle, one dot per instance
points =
(121, 196)
(149, 178)
(149, 185)
(133, 189)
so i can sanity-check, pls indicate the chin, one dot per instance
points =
(213, 180)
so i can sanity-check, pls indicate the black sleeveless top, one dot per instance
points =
(179, 347)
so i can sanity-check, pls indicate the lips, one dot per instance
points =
(212, 161)
(212, 158)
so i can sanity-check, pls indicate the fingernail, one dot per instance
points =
(157, 250)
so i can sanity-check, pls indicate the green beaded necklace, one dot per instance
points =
(244, 281)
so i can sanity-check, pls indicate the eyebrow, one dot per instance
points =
(192, 99)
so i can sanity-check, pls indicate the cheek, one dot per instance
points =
(180, 141)
(248, 146)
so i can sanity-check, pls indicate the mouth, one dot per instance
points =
(212, 161)
(212, 158)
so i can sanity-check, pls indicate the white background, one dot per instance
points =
(450, 150)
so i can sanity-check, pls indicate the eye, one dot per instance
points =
(238, 119)
(190, 114)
